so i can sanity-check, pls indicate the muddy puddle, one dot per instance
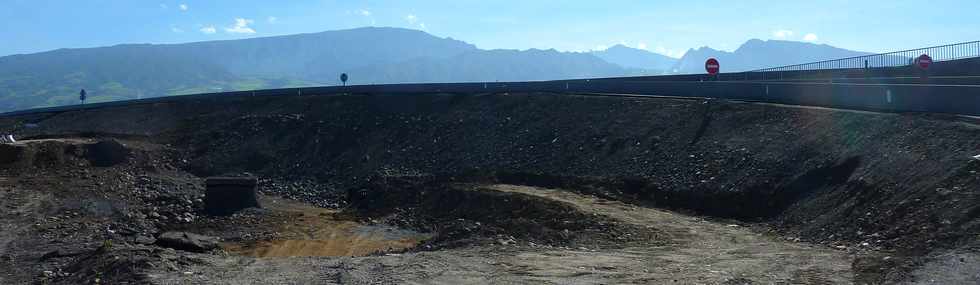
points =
(313, 231)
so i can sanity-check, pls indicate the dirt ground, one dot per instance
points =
(700, 251)
(477, 189)
(315, 231)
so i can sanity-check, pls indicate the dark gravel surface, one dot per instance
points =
(902, 186)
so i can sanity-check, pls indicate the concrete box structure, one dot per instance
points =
(228, 195)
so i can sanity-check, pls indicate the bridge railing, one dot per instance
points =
(883, 60)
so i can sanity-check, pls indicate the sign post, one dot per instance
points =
(924, 61)
(343, 78)
(81, 96)
(712, 66)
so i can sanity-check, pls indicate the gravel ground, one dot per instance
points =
(838, 196)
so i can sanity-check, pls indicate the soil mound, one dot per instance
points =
(58, 153)
(40, 154)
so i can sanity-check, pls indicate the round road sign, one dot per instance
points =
(924, 61)
(712, 66)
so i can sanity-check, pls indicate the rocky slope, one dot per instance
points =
(901, 189)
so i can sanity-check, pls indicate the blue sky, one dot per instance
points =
(668, 27)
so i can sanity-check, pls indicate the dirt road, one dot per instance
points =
(701, 252)
(704, 252)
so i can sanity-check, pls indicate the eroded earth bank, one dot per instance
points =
(491, 188)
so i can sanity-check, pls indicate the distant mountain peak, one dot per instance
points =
(620, 46)
(629, 57)
(757, 53)
(757, 43)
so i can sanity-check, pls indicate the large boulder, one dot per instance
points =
(187, 241)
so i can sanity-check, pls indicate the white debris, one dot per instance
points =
(977, 157)
(7, 139)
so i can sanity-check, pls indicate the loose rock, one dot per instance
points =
(187, 241)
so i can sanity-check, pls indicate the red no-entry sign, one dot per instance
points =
(924, 61)
(712, 66)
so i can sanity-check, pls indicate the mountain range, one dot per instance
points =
(368, 55)
(637, 58)
(757, 54)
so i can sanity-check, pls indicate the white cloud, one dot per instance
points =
(365, 13)
(601, 47)
(641, 45)
(811, 37)
(175, 29)
(782, 34)
(272, 20)
(209, 30)
(241, 27)
(183, 7)
(669, 52)
(412, 20)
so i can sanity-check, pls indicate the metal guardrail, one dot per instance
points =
(899, 66)
(854, 71)
(891, 59)
(932, 98)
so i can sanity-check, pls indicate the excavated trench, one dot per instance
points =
(399, 214)
(394, 214)
(408, 213)
(410, 173)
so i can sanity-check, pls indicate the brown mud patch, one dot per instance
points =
(314, 231)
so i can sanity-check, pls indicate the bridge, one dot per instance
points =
(887, 82)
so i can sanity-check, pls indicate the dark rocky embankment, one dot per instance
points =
(891, 182)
